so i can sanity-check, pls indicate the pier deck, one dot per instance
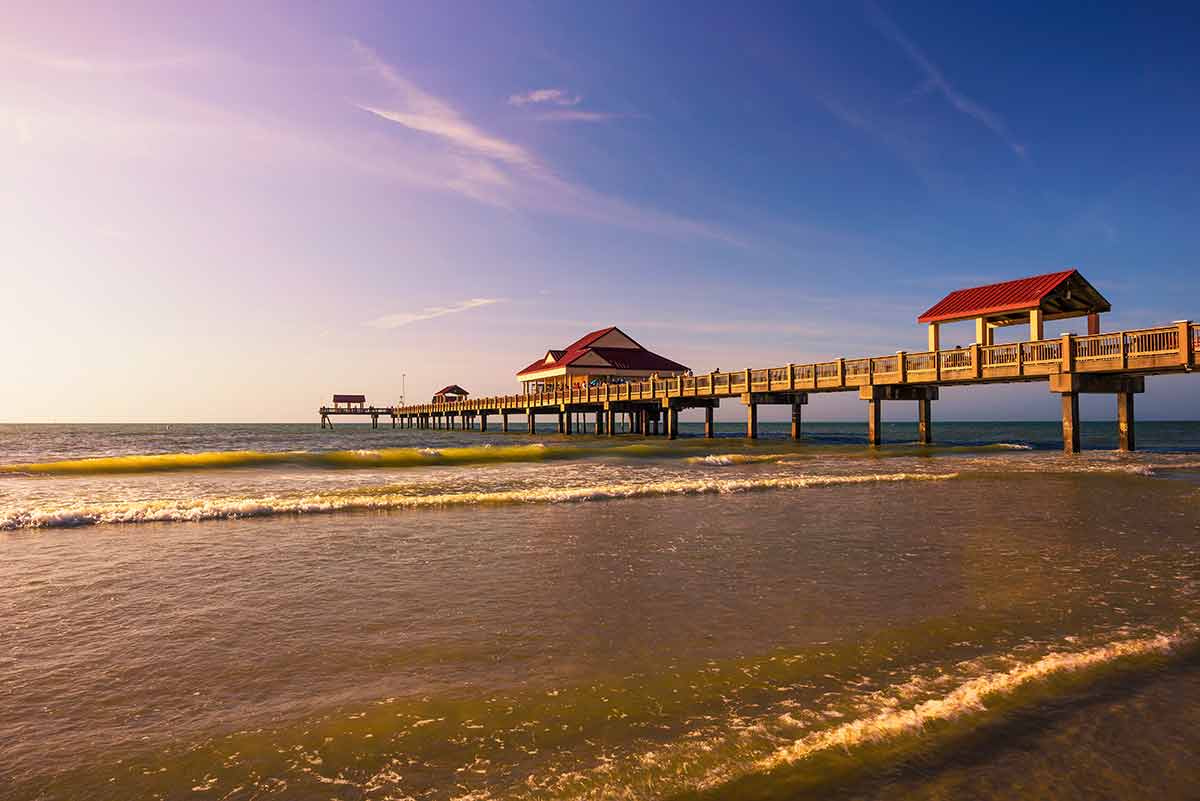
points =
(1113, 363)
(374, 412)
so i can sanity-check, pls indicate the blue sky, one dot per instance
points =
(229, 213)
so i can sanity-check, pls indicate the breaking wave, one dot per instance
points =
(389, 499)
(967, 698)
(216, 460)
(715, 762)
(728, 459)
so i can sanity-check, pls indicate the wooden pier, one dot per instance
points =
(374, 412)
(1114, 363)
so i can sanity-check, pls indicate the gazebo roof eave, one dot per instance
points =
(1012, 316)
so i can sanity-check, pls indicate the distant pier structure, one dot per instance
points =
(356, 405)
(609, 378)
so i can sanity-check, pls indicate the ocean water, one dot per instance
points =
(280, 611)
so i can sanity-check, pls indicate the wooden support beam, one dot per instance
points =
(1125, 438)
(752, 420)
(935, 336)
(1037, 321)
(1187, 348)
(708, 422)
(797, 408)
(775, 398)
(504, 422)
(1068, 354)
(610, 422)
(1070, 422)
(671, 420)
(925, 421)
(1097, 383)
(1093, 324)
(898, 392)
(874, 422)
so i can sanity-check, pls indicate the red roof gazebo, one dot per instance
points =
(607, 355)
(1053, 296)
(452, 392)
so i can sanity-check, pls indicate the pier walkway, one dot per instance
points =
(1114, 363)
(374, 412)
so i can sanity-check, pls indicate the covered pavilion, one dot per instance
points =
(453, 392)
(1033, 300)
(608, 355)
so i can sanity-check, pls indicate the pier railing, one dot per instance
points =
(1145, 350)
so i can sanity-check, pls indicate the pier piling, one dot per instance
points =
(1125, 437)
(874, 422)
(1070, 422)
(925, 421)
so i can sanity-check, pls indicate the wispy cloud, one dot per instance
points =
(458, 132)
(557, 97)
(421, 111)
(561, 97)
(405, 318)
(571, 115)
(494, 170)
(936, 81)
(108, 66)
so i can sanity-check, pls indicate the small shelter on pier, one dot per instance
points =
(451, 393)
(1053, 296)
(608, 355)
(348, 401)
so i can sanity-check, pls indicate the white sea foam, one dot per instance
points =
(967, 698)
(314, 503)
(728, 459)
(745, 745)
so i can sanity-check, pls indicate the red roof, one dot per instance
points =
(629, 359)
(587, 339)
(620, 358)
(453, 389)
(1007, 296)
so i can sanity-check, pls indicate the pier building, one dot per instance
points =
(607, 356)
(450, 393)
(1033, 300)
